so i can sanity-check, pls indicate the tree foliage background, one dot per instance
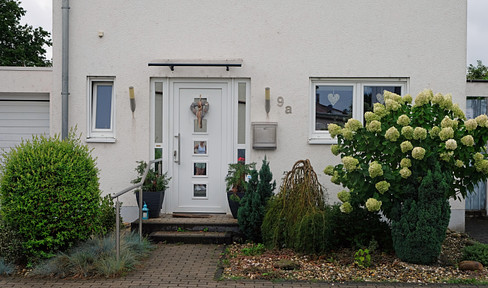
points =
(21, 45)
(478, 72)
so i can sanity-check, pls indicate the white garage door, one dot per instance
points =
(22, 117)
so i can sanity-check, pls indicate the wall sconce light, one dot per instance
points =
(132, 100)
(267, 104)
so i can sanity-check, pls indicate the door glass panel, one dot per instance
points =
(200, 107)
(158, 111)
(241, 113)
(241, 154)
(200, 190)
(200, 169)
(200, 147)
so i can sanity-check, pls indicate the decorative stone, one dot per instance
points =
(471, 242)
(285, 264)
(470, 265)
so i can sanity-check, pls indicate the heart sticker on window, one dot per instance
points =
(380, 98)
(333, 98)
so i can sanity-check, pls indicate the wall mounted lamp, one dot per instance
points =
(267, 104)
(132, 99)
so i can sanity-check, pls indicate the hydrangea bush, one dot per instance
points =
(399, 144)
(385, 162)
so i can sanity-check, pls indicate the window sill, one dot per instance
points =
(321, 141)
(100, 140)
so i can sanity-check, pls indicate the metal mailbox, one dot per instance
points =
(264, 135)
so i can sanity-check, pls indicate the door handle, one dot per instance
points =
(176, 153)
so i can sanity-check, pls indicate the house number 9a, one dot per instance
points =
(280, 101)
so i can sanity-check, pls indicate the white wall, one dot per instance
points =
(477, 88)
(282, 44)
(25, 79)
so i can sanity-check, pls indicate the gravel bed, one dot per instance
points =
(339, 266)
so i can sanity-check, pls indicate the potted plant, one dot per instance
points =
(236, 183)
(152, 189)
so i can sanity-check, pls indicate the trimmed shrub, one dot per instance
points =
(477, 252)
(418, 235)
(251, 212)
(49, 194)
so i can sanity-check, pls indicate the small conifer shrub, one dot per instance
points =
(251, 213)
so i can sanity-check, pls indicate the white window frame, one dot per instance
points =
(358, 84)
(94, 134)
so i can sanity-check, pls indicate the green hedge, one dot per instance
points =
(49, 194)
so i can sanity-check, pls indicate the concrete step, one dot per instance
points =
(191, 229)
(192, 237)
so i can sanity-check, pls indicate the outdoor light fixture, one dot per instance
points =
(267, 104)
(132, 100)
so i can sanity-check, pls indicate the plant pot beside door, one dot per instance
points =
(153, 200)
(152, 189)
(236, 183)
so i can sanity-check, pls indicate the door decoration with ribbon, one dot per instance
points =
(200, 108)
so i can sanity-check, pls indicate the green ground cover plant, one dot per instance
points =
(384, 162)
(477, 252)
(97, 257)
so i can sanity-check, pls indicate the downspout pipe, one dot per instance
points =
(65, 69)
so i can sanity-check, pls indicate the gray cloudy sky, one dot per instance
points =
(39, 13)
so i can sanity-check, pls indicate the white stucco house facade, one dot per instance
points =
(322, 60)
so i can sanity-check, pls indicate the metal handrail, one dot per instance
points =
(117, 205)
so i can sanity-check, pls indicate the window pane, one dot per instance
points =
(158, 127)
(475, 107)
(241, 112)
(104, 107)
(333, 104)
(374, 94)
(241, 154)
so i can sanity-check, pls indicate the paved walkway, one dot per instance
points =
(195, 266)
(175, 265)
(477, 227)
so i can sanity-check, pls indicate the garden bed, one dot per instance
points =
(339, 266)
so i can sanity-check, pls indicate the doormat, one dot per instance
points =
(189, 215)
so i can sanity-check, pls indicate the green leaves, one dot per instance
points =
(21, 45)
(49, 194)
(433, 136)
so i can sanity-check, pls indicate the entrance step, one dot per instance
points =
(192, 237)
(191, 228)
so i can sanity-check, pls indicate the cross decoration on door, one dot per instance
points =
(199, 108)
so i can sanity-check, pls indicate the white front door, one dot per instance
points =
(202, 143)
